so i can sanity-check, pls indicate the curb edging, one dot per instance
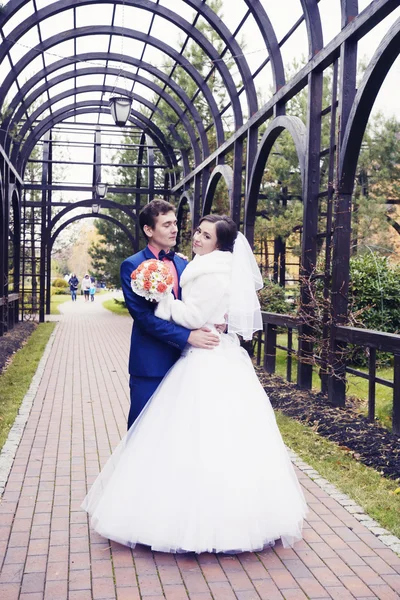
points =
(391, 541)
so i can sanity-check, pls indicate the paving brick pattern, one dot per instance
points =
(47, 551)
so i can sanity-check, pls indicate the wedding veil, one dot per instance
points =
(244, 312)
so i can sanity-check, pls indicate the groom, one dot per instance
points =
(156, 344)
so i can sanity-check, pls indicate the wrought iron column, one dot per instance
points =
(17, 247)
(341, 233)
(43, 228)
(150, 167)
(48, 232)
(142, 141)
(310, 225)
(237, 181)
(3, 244)
(251, 152)
(197, 198)
(96, 161)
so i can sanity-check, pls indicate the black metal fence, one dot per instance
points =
(373, 341)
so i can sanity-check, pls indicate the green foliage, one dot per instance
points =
(377, 180)
(273, 299)
(278, 219)
(57, 291)
(280, 207)
(112, 249)
(60, 283)
(375, 289)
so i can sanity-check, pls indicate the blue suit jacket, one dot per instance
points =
(155, 344)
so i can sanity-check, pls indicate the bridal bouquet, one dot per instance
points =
(152, 280)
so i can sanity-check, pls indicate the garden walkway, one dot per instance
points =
(47, 551)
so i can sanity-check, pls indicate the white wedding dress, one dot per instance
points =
(204, 467)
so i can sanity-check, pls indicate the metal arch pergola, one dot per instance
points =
(40, 103)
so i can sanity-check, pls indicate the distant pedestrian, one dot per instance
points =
(85, 286)
(92, 291)
(73, 286)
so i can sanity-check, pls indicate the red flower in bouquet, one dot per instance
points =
(152, 280)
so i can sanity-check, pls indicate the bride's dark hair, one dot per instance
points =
(226, 230)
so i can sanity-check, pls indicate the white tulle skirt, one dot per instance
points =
(204, 467)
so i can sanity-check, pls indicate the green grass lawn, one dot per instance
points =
(379, 496)
(116, 307)
(356, 386)
(16, 379)
(56, 300)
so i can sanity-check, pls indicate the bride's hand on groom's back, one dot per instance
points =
(181, 255)
(203, 338)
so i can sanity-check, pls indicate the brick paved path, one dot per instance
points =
(48, 552)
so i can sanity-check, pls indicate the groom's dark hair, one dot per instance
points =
(152, 210)
(226, 231)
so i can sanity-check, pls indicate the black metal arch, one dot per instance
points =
(297, 130)
(181, 23)
(15, 194)
(346, 110)
(255, 8)
(84, 203)
(22, 95)
(100, 87)
(186, 198)
(73, 110)
(314, 26)
(87, 108)
(234, 48)
(91, 216)
(377, 70)
(26, 100)
(15, 204)
(221, 171)
(139, 35)
(270, 40)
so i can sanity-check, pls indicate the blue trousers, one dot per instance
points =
(141, 388)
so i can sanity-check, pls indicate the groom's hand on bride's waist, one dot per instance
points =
(221, 327)
(203, 338)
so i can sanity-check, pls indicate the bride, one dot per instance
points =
(204, 467)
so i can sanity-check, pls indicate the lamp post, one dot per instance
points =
(101, 189)
(120, 109)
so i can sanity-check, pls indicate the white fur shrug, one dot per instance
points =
(205, 292)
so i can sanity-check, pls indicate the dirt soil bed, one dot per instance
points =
(370, 443)
(13, 340)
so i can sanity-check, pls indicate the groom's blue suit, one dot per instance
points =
(155, 344)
